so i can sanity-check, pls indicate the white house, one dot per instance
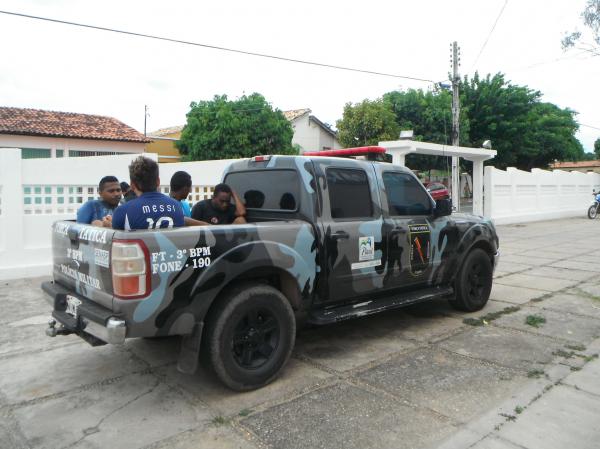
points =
(51, 134)
(310, 133)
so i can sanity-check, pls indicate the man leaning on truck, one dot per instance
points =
(151, 209)
(218, 209)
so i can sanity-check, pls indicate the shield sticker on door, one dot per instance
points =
(419, 236)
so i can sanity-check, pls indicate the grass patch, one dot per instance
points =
(535, 320)
(509, 417)
(485, 319)
(563, 353)
(535, 373)
(576, 347)
(245, 412)
(589, 358)
(219, 420)
(519, 409)
(575, 368)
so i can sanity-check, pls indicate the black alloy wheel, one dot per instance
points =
(250, 334)
(255, 338)
(473, 283)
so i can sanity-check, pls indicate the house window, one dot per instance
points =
(35, 153)
(60, 153)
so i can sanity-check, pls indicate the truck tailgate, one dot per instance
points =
(81, 260)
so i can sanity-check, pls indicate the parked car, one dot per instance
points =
(327, 239)
(438, 191)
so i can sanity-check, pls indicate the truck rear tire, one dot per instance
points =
(473, 283)
(251, 334)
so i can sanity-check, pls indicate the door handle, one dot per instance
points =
(340, 235)
(397, 231)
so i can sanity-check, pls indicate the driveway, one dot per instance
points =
(421, 377)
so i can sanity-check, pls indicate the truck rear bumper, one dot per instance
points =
(83, 317)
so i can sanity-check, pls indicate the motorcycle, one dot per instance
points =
(595, 207)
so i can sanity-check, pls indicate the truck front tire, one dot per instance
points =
(251, 334)
(473, 283)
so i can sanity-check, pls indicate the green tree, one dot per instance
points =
(228, 129)
(589, 40)
(597, 147)
(526, 132)
(428, 114)
(366, 123)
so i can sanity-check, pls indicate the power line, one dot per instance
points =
(215, 47)
(589, 126)
(490, 34)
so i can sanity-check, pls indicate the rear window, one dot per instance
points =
(266, 189)
(349, 193)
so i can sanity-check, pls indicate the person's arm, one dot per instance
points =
(240, 209)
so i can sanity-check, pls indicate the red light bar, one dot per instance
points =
(345, 152)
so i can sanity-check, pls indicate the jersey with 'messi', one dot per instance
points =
(151, 210)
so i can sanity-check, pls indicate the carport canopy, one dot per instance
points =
(400, 148)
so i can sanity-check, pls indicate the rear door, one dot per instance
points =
(81, 258)
(352, 225)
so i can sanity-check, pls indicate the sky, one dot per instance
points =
(64, 68)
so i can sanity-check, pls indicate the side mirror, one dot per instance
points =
(442, 208)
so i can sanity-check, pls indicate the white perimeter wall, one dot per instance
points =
(34, 193)
(516, 196)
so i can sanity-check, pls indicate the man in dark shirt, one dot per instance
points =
(151, 209)
(98, 212)
(218, 209)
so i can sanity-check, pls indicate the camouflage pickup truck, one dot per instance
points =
(327, 239)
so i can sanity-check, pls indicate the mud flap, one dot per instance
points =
(190, 350)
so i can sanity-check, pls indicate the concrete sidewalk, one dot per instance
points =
(522, 373)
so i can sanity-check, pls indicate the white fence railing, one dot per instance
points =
(36, 192)
(515, 196)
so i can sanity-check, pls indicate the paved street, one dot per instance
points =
(422, 377)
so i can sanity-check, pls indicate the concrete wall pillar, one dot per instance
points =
(11, 218)
(478, 187)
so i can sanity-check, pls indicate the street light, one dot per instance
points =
(487, 144)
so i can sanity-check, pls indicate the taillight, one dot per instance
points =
(130, 269)
(261, 158)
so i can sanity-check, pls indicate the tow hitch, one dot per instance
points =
(53, 331)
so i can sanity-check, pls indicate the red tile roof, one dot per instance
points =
(578, 164)
(295, 113)
(36, 122)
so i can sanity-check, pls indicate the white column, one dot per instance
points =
(11, 219)
(488, 194)
(478, 187)
(455, 193)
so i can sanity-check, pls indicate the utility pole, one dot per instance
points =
(145, 117)
(455, 126)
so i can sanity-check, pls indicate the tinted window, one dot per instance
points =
(266, 189)
(349, 193)
(405, 195)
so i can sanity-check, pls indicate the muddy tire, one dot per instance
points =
(473, 283)
(592, 212)
(250, 336)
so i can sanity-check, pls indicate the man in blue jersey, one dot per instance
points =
(151, 209)
(98, 212)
